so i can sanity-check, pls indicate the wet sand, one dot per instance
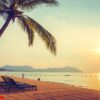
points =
(50, 91)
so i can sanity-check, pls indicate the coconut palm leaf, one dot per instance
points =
(3, 6)
(26, 27)
(44, 34)
(3, 1)
(29, 4)
(3, 14)
(3, 10)
(14, 4)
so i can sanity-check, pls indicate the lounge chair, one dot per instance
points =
(10, 83)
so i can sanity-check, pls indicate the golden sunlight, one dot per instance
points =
(97, 50)
(98, 76)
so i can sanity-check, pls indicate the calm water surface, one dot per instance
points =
(86, 80)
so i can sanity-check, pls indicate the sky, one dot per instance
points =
(76, 26)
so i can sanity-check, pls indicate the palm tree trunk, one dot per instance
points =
(5, 25)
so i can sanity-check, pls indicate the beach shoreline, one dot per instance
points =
(50, 91)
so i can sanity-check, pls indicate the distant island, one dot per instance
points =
(31, 69)
(1, 69)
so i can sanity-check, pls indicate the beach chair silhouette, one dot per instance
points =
(10, 83)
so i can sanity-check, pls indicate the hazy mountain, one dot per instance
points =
(2, 69)
(62, 69)
(29, 68)
(17, 68)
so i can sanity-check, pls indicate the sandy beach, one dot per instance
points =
(50, 91)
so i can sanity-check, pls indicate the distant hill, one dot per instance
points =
(31, 69)
(17, 68)
(62, 69)
(1, 69)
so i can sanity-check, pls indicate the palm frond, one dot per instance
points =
(3, 9)
(26, 27)
(3, 14)
(29, 4)
(11, 2)
(3, 1)
(14, 4)
(3, 6)
(44, 34)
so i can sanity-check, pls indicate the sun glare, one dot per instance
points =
(99, 76)
(97, 50)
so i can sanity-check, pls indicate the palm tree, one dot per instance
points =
(9, 10)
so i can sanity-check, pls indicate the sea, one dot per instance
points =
(84, 80)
